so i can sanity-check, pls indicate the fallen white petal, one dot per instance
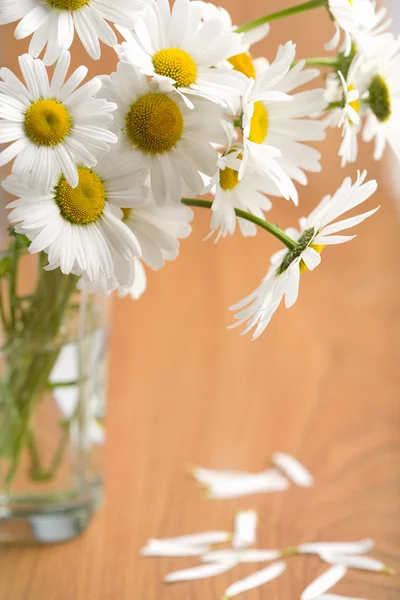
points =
(365, 563)
(201, 572)
(293, 469)
(255, 580)
(359, 547)
(206, 537)
(158, 548)
(269, 481)
(211, 476)
(244, 556)
(245, 529)
(323, 583)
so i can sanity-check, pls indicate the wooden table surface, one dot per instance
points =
(323, 383)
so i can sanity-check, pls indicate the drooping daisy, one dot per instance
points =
(182, 53)
(377, 79)
(275, 123)
(372, 92)
(52, 126)
(230, 193)
(349, 121)
(316, 232)
(79, 228)
(158, 231)
(359, 21)
(173, 141)
(54, 22)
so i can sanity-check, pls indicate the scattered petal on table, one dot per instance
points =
(201, 572)
(324, 582)
(243, 556)
(365, 563)
(255, 580)
(245, 529)
(360, 547)
(266, 482)
(193, 539)
(293, 469)
(211, 476)
(161, 548)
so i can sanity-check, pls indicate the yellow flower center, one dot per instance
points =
(318, 248)
(47, 122)
(176, 64)
(228, 178)
(259, 123)
(379, 98)
(154, 123)
(126, 213)
(356, 103)
(351, 3)
(85, 203)
(67, 4)
(243, 64)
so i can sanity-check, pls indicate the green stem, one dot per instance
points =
(278, 233)
(2, 311)
(280, 14)
(321, 61)
(31, 366)
(333, 105)
(14, 258)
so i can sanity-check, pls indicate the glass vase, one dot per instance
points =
(53, 361)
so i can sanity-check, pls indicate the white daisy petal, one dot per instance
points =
(159, 548)
(293, 469)
(324, 582)
(364, 563)
(195, 539)
(245, 529)
(242, 556)
(201, 572)
(253, 581)
(360, 547)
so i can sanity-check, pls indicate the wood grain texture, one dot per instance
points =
(323, 383)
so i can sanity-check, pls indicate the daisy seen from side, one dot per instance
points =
(276, 122)
(318, 230)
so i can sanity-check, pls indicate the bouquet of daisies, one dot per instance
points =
(104, 172)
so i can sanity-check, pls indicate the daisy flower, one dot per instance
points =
(158, 231)
(316, 231)
(377, 80)
(359, 21)
(51, 125)
(371, 101)
(80, 227)
(349, 121)
(53, 22)
(275, 124)
(230, 193)
(173, 141)
(182, 53)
